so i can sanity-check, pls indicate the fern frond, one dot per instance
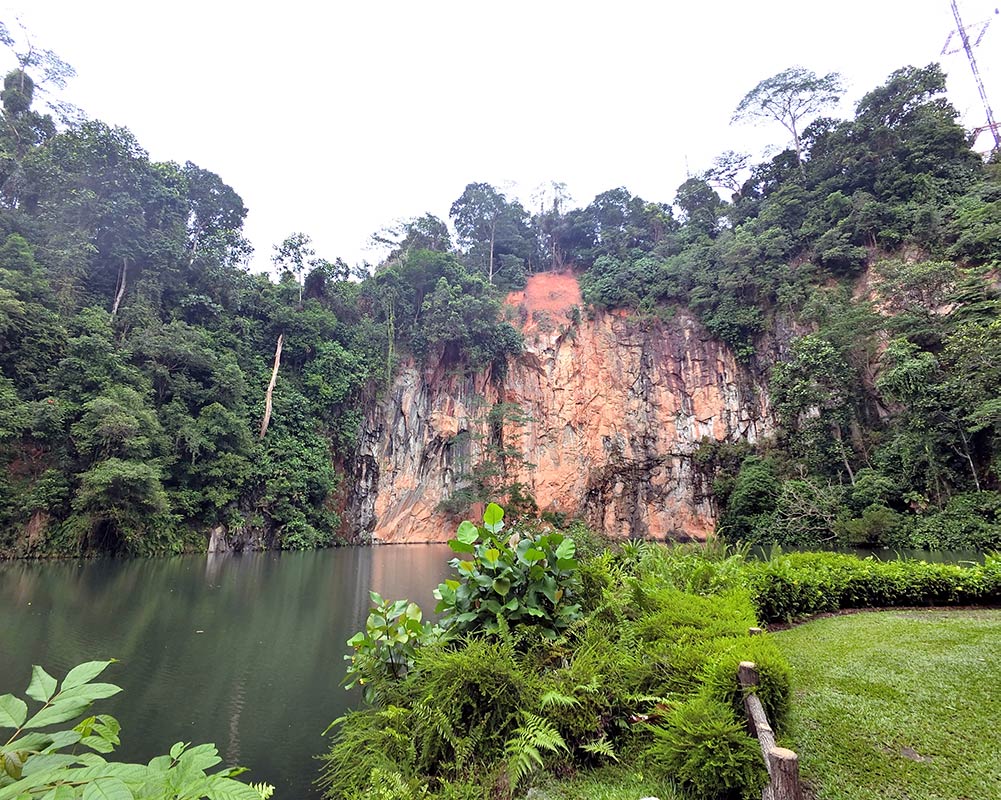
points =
(554, 698)
(265, 790)
(602, 747)
(432, 718)
(522, 749)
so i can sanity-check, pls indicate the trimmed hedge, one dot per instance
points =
(794, 585)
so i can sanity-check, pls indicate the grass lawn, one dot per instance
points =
(897, 705)
(609, 783)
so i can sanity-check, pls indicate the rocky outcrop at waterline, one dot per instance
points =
(597, 418)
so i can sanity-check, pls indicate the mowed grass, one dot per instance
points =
(897, 705)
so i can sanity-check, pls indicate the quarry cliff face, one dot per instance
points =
(597, 418)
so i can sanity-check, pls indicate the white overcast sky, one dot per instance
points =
(337, 118)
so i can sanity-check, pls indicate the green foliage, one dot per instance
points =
(35, 762)
(525, 579)
(798, 584)
(386, 649)
(522, 749)
(705, 747)
(500, 711)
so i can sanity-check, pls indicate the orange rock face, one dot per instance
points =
(600, 417)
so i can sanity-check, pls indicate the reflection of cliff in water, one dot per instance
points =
(242, 650)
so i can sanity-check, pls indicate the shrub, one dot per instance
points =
(702, 744)
(527, 579)
(798, 584)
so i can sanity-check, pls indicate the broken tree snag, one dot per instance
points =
(123, 275)
(271, 386)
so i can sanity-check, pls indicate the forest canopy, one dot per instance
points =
(136, 347)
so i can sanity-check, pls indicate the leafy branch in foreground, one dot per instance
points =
(34, 764)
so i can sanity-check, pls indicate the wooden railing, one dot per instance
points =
(782, 764)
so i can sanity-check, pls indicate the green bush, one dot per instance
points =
(705, 747)
(526, 579)
(794, 585)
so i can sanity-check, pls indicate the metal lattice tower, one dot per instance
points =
(968, 46)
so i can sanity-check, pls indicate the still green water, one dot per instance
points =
(245, 651)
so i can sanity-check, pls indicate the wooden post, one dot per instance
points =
(783, 766)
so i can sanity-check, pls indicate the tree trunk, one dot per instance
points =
(122, 278)
(271, 386)
(490, 273)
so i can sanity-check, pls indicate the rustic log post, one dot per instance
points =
(783, 766)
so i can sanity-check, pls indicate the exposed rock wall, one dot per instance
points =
(613, 409)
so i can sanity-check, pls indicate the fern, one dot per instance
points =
(522, 750)
(601, 747)
(265, 790)
(558, 699)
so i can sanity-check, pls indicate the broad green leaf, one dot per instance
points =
(222, 788)
(567, 549)
(502, 586)
(98, 743)
(59, 711)
(13, 711)
(467, 533)
(466, 616)
(34, 742)
(493, 517)
(467, 566)
(42, 685)
(90, 692)
(85, 673)
(549, 589)
(452, 584)
(107, 789)
(60, 792)
(532, 554)
(177, 750)
(460, 547)
(60, 739)
(201, 758)
(376, 598)
(567, 564)
(491, 556)
(414, 612)
(21, 788)
(41, 763)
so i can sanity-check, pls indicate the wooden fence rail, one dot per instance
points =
(782, 764)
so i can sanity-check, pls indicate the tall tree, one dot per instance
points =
(788, 98)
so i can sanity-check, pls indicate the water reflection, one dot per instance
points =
(242, 650)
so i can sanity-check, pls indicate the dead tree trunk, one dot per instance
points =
(123, 275)
(271, 386)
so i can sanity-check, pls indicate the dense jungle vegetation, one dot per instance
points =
(857, 269)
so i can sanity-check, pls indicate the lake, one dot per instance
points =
(245, 651)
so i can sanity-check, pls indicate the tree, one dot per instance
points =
(294, 255)
(496, 234)
(789, 97)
